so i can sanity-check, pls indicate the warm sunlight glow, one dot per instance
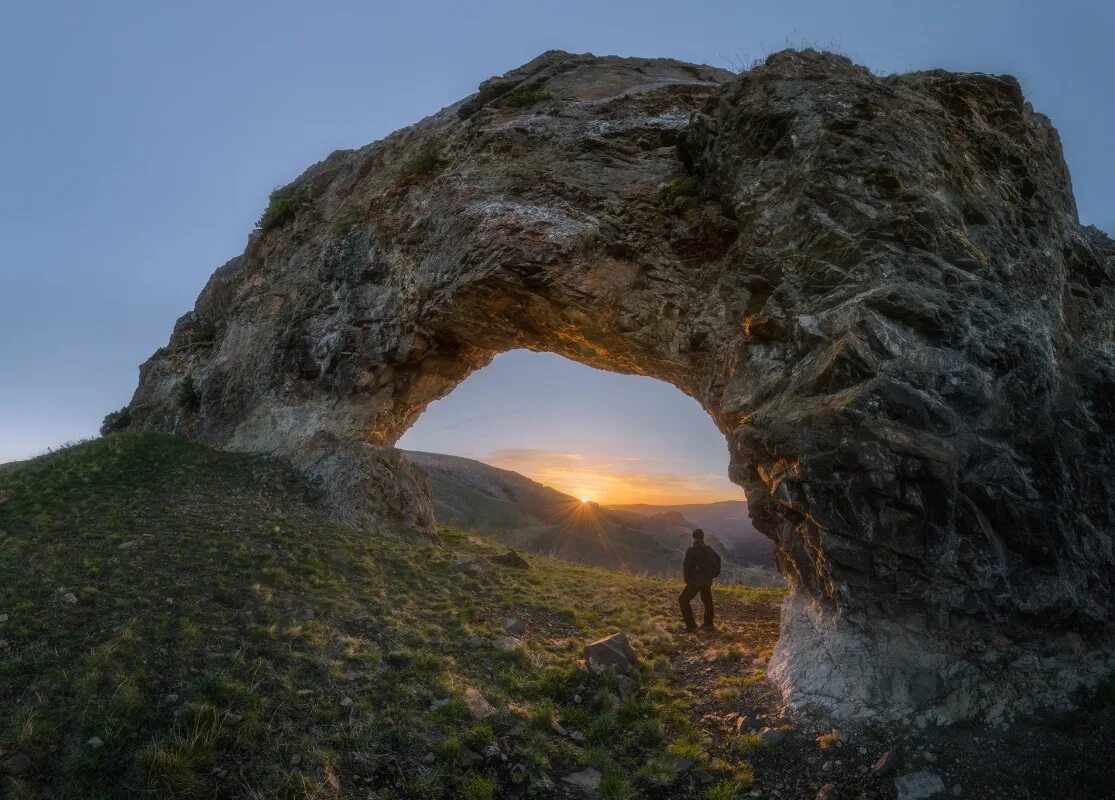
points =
(616, 480)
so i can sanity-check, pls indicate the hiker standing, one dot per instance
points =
(701, 568)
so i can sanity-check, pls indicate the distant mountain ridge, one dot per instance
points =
(526, 514)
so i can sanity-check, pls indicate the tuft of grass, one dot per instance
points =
(680, 193)
(477, 787)
(523, 96)
(283, 204)
(615, 786)
(725, 790)
(426, 160)
(827, 740)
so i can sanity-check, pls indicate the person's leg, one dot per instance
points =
(706, 599)
(686, 596)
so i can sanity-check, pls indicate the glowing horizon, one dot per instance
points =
(612, 481)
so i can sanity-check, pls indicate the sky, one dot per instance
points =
(139, 142)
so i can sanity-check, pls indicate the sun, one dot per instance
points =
(585, 498)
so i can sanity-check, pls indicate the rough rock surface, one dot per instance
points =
(877, 287)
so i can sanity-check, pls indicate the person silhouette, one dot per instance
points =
(700, 568)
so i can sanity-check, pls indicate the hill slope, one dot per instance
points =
(728, 520)
(523, 513)
(180, 622)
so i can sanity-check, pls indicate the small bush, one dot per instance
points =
(203, 333)
(187, 396)
(284, 204)
(426, 160)
(681, 193)
(116, 421)
(522, 96)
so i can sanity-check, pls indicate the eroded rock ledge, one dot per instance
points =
(877, 287)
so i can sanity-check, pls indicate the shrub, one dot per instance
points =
(425, 160)
(187, 396)
(116, 421)
(283, 204)
(522, 96)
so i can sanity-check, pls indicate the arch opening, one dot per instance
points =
(627, 465)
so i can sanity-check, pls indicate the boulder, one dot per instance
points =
(510, 559)
(611, 652)
(903, 331)
(918, 786)
(514, 627)
(587, 779)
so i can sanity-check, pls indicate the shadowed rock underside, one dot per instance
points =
(877, 287)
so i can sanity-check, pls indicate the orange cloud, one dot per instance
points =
(612, 480)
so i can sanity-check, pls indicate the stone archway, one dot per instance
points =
(877, 288)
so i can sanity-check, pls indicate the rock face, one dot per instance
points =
(877, 287)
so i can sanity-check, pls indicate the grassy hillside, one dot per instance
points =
(177, 622)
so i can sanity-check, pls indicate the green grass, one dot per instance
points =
(523, 96)
(680, 193)
(426, 160)
(227, 640)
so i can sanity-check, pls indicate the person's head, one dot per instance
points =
(698, 535)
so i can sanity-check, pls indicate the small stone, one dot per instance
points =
(826, 767)
(295, 760)
(886, 764)
(769, 736)
(3, 618)
(587, 779)
(172, 698)
(918, 786)
(508, 644)
(826, 792)
(956, 790)
(682, 764)
(577, 736)
(346, 701)
(96, 742)
(234, 719)
(128, 545)
(510, 559)
(69, 597)
(577, 699)
(478, 706)
(16, 764)
(514, 627)
(428, 758)
(611, 652)
(626, 687)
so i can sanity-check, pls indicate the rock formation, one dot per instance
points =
(877, 287)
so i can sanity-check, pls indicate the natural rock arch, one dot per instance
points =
(877, 287)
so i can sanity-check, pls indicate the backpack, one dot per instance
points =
(706, 565)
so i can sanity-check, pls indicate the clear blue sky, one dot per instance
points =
(139, 141)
